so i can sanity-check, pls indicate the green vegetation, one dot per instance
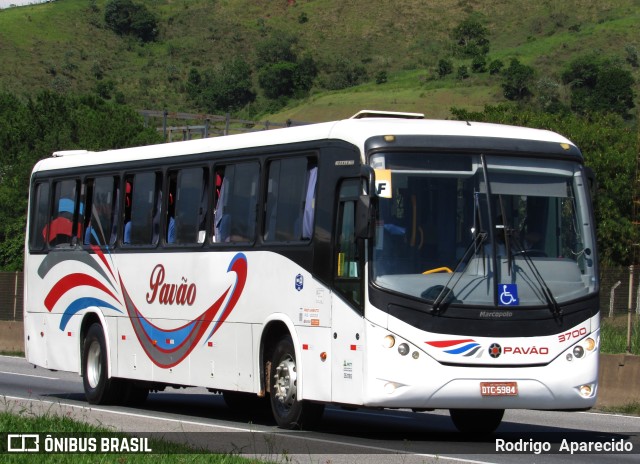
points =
(631, 409)
(70, 46)
(70, 67)
(27, 422)
(613, 335)
(19, 354)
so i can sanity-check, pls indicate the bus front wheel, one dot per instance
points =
(98, 388)
(288, 411)
(476, 421)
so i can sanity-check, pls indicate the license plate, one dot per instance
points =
(499, 388)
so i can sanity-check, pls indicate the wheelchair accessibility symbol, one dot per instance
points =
(508, 295)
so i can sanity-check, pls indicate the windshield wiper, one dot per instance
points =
(546, 291)
(446, 291)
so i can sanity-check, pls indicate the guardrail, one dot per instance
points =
(207, 125)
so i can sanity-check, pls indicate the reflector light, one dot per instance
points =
(323, 356)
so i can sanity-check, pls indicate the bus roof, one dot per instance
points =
(355, 131)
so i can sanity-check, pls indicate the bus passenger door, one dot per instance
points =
(346, 313)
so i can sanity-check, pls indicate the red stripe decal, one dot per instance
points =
(69, 282)
(448, 343)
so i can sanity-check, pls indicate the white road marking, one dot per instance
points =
(30, 375)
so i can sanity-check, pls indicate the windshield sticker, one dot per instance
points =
(383, 183)
(508, 295)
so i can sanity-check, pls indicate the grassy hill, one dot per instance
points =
(65, 45)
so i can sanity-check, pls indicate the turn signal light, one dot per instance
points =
(388, 341)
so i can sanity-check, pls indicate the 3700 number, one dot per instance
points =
(573, 334)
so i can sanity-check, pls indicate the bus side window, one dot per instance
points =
(102, 196)
(290, 204)
(347, 266)
(62, 228)
(143, 226)
(39, 214)
(187, 206)
(235, 213)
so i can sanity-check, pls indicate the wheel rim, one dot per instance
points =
(94, 365)
(286, 381)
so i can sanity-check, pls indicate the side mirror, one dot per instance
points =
(364, 216)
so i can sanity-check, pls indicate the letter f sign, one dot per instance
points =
(383, 183)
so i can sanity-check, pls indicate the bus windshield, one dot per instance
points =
(473, 230)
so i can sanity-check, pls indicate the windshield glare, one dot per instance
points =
(443, 234)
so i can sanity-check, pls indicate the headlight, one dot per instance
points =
(403, 349)
(578, 351)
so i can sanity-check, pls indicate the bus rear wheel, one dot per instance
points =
(98, 388)
(476, 421)
(288, 411)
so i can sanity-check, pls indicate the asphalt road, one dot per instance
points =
(203, 420)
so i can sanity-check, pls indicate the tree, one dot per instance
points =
(127, 18)
(479, 64)
(517, 80)
(224, 89)
(548, 95)
(445, 67)
(599, 85)
(470, 38)
(281, 72)
(463, 72)
(343, 73)
(381, 77)
(277, 80)
(278, 47)
(495, 67)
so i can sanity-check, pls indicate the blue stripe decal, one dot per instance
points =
(160, 336)
(80, 304)
(462, 349)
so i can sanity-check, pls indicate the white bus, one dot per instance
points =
(384, 261)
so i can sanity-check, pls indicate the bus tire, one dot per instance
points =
(288, 411)
(476, 421)
(98, 388)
